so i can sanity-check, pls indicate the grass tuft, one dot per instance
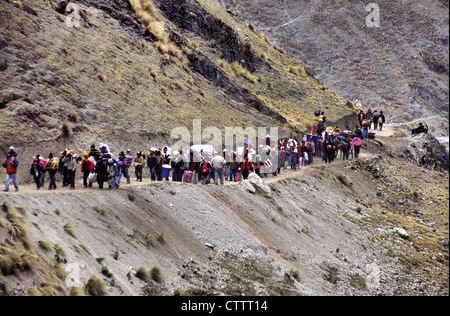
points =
(96, 286)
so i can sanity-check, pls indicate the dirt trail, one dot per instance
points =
(30, 188)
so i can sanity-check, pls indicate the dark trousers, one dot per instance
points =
(37, 180)
(66, 177)
(100, 180)
(138, 173)
(85, 178)
(72, 178)
(52, 184)
(329, 156)
(357, 148)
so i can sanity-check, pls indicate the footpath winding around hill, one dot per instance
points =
(31, 187)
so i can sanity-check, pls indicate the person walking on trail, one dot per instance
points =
(194, 165)
(124, 163)
(52, 168)
(11, 164)
(205, 169)
(345, 148)
(71, 166)
(166, 157)
(86, 168)
(375, 117)
(138, 165)
(100, 170)
(152, 163)
(295, 159)
(234, 166)
(369, 116)
(62, 168)
(361, 117)
(36, 171)
(218, 163)
(329, 147)
(381, 121)
(113, 172)
(366, 125)
(246, 167)
(177, 164)
(356, 143)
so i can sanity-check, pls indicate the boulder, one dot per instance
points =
(259, 185)
(401, 232)
(245, 185)
(426, 150)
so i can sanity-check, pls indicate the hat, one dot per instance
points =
(12, 148)
(85, 153)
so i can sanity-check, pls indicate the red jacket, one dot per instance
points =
(247, 165)
(87, 163)
(11, 165)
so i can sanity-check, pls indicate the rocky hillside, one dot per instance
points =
(131, 72)
(363, 227)
(134, 70)
(400, 67)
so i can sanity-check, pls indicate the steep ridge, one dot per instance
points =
(133, 71)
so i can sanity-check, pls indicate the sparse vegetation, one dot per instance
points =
(156, 274)
(150, 240)
(162, 238)
(308, 232)
(68, 229)
(46, 245)
(143, 274)
(96, 286)
(67, 129)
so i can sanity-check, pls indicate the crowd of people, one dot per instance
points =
(99, 166)
(371, 119)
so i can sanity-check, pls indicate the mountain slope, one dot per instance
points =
(324, 230)
(400, 67)
(132, 72)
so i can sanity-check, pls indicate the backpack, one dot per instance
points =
(345, 145)
(128, 160)
(380, 120)
(366, 123)
(205, 168)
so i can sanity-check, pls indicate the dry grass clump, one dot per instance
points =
(241, 71)
(16, 256)
(236, 69)
(68, 229)
(67, 129)
(155, 274)
(96, 286)
(147, 12)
